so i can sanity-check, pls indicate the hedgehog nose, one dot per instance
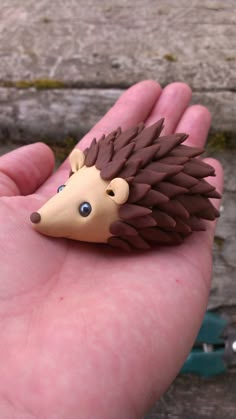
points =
(35, 217)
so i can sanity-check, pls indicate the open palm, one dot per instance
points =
(87, 331)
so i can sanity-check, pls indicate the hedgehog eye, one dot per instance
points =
(85, 209)
(59, 189)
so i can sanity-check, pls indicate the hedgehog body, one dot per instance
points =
(164, 196)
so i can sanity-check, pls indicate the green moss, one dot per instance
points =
(46, 20)
(219, 242)
(230, 58)
(170, 57)
(37, 83)
(62, 150)
(219, 141)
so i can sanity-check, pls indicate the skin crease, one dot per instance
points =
(87, 331)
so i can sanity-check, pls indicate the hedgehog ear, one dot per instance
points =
(118, 190)
(76, 159)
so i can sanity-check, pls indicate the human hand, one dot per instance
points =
(88, 331)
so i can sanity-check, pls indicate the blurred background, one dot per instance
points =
(64, 63)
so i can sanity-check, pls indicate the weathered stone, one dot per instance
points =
(115, 44)
(28, 115)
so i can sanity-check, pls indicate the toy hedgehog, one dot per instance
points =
(132, 189)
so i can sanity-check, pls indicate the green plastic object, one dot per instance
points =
(207, 356)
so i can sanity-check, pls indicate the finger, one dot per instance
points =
(196, 122)
(23, 170)
(171, 105)
(131, 108)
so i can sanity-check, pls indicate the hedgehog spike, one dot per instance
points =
(124, 152)
(92, 154)
(120, 243)
(121, 228)
(104, 155)
(145, 155)
(153, 198)
(138, 191)
(184, 150)
(124, 138)
(169, 142)
(143, 222)
(112, 169)
(130, 211)
(149, 135)
(137, 242)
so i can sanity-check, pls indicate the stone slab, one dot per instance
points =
(109, 43)
(28, 115)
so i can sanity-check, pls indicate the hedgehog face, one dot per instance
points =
(84, 208)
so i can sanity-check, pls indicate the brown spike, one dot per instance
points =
(119, 228)
(201, 187)
(129, 179)
(182, 227)
(159, 236)
(174, 208)
(153, 198)
(140, 127)
(194, 203)
(198, 169)
(118, 132)
(112, 169)
(169, 142)
(104, 156)
(207, 214)
(86, 151)
(213, 194)
(184, 180)
(92, 154)
(149, 176)
(216, 212)
(138, 191)
(163, 220)
(124, 152)
(149, 135)
(174, 160)
(130, 168)
(196, 224)
(118, 242)
(146, 155)
(109, 138)
(101, 138)
(138, 242)
(169, 189)
(129, 211)
(184, 150)
(125, 137)
(170, 170)
(143, 222)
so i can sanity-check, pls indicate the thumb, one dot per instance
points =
(23, 170)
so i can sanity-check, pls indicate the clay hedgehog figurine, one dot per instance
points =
(132, 190)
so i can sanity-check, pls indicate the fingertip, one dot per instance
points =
(26, 168)
(201, 111)
(171, 105)
(196, 122)
(179, 85)
(149, 84)
(150, 88)
(45, 152)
